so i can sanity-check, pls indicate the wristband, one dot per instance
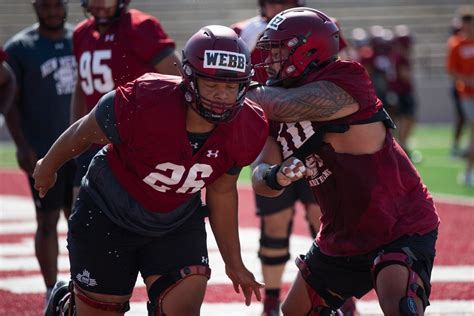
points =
(270, 177)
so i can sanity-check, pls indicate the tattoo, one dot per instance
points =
(315, 101)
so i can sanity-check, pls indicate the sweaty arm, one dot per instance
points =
(221, 197)
(315, 101)
(74, 141)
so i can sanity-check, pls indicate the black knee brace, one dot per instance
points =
(407, 304)
(166, 283)
(274, 243)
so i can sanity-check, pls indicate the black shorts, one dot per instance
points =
(106, 258)
(406, 105)
(60, 195)
(82, 163)
(300, 190)
(352, 276)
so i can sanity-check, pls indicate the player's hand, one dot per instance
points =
(291, 170)
(244, 279)
(44, 178)
(26, 158)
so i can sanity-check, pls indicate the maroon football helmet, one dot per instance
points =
(403, 36)
(121, 8)
(216, 53)
(296, 3)
(311, 37)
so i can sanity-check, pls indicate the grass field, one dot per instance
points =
(439, 171)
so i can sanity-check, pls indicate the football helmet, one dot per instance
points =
(403, 36)
(121, 8)
(216, 53)
(296, 3)
(311, 37)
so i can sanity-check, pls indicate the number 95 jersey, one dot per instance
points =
(129, 48)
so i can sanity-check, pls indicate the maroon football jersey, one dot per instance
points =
(123, 53)
(366, 200)
(155, 161)
(396, 81)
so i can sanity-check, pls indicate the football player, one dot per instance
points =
(139, 208)
(276, 213)
(115, 45)
(42, 61)
(379, 224)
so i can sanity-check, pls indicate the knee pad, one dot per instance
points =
(274, 243)
(407, 303)
(105, 306)
(323, 303)
(167, 282)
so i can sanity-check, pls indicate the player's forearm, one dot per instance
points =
(224, 223)
(259, 183)
(74, 141)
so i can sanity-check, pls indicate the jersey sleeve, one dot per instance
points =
(453, 60)
(125, 110)
(105, 116)
(252, 136)
(150, 42)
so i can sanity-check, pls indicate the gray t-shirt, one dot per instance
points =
(46, 74)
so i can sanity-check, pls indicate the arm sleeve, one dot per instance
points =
(105, 116)
(150, 42)
(125, 111)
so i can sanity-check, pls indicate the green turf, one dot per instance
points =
(438, 170)
(7, 156)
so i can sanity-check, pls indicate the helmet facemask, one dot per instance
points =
(213, 111)
(310, 37)
(216, 53)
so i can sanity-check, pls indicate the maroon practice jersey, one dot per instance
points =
(397, 75)
(155, 161)
(128, 49)
(366, 200)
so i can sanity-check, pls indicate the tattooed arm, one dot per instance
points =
(315, 101)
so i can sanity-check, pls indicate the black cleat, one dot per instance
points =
(61, 288)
